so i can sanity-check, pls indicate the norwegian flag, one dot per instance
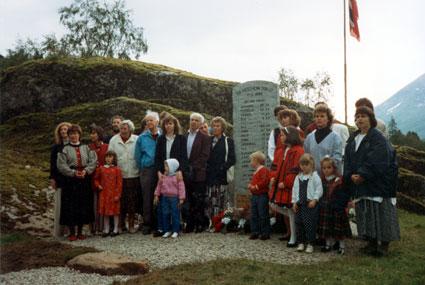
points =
(354, 16)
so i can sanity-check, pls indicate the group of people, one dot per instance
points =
(116, 178)
(165, 176)
(316, 174)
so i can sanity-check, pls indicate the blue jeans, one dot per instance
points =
(260, 221)
(170, 209)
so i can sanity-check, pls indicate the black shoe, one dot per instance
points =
(146, 231)
(253, 236)
(114, 234)
(199, 229)
(189, 229)
(105, 235)
(336, 246)
(265, 237)
(157, 233)
(325, 248)
(290, 245)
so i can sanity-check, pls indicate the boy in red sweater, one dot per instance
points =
(259, 187)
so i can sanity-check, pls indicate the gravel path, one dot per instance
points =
(162, 253)
(56, 276)
(203, 247)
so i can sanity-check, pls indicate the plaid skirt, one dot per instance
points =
(377, 220)
(333, 224)
(217, 199)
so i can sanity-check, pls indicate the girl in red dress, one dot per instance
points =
(108, 179)
(287, 161)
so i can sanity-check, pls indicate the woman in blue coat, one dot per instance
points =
(370, 172)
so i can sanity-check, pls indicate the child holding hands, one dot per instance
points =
(170, 193)
(306, 193)
(108, 179)
(259, 187)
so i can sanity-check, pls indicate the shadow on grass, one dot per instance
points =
(20, 251)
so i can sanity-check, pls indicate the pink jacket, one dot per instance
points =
(170, 187)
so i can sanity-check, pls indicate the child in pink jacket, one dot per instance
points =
(170, 192)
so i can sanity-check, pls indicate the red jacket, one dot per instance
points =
(260, 180)
(287, 170)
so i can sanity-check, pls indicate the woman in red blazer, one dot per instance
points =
(283, 179)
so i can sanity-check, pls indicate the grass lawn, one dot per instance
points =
(404, 265)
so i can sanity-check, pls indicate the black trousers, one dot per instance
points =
(193, 212)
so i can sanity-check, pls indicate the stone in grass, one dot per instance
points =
(106, 263)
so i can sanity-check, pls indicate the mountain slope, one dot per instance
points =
(407, 107)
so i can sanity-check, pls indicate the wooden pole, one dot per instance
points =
(345, 60)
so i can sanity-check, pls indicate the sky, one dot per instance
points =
(243, 40)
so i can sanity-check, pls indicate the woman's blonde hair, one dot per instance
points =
(58, 138)
(220, 120)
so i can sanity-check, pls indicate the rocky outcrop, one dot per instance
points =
(106, 263)
(411, 184)
(50, 85)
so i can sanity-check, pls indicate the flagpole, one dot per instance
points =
(345, 60)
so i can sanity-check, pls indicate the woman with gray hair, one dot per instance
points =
(124, 145)
(222, 157)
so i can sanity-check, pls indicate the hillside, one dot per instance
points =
(407, 107)
(50, 85)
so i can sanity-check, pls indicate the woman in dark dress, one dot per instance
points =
(56, 178)
(222, 157)
(171, 144)
(76, 162)
(370, 172)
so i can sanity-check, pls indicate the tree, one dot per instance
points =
(392, 127)
(323, 85)
(288, 83)
(307, 85)
(101, 30)
(93, 29)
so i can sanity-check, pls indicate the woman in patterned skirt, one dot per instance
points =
(370, 170)
(222, 157)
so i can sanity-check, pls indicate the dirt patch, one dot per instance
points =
(29, 253)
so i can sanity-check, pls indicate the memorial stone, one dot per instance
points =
(253, 119)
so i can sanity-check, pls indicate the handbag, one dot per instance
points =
(230, 173)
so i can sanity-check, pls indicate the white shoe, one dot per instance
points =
(167, 234)
(300, 247)
(175, 235)
(309, 249)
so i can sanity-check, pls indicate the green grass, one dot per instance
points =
(404, 265)
(36, 129)
(96, 62)
(13, 238)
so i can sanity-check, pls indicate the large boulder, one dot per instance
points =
(106, 263)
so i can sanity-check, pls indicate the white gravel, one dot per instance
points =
(161, 253)
(56, 276)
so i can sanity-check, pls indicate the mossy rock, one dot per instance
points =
(411, 183)
(50, 85)
(36, 129)
(411, 159)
